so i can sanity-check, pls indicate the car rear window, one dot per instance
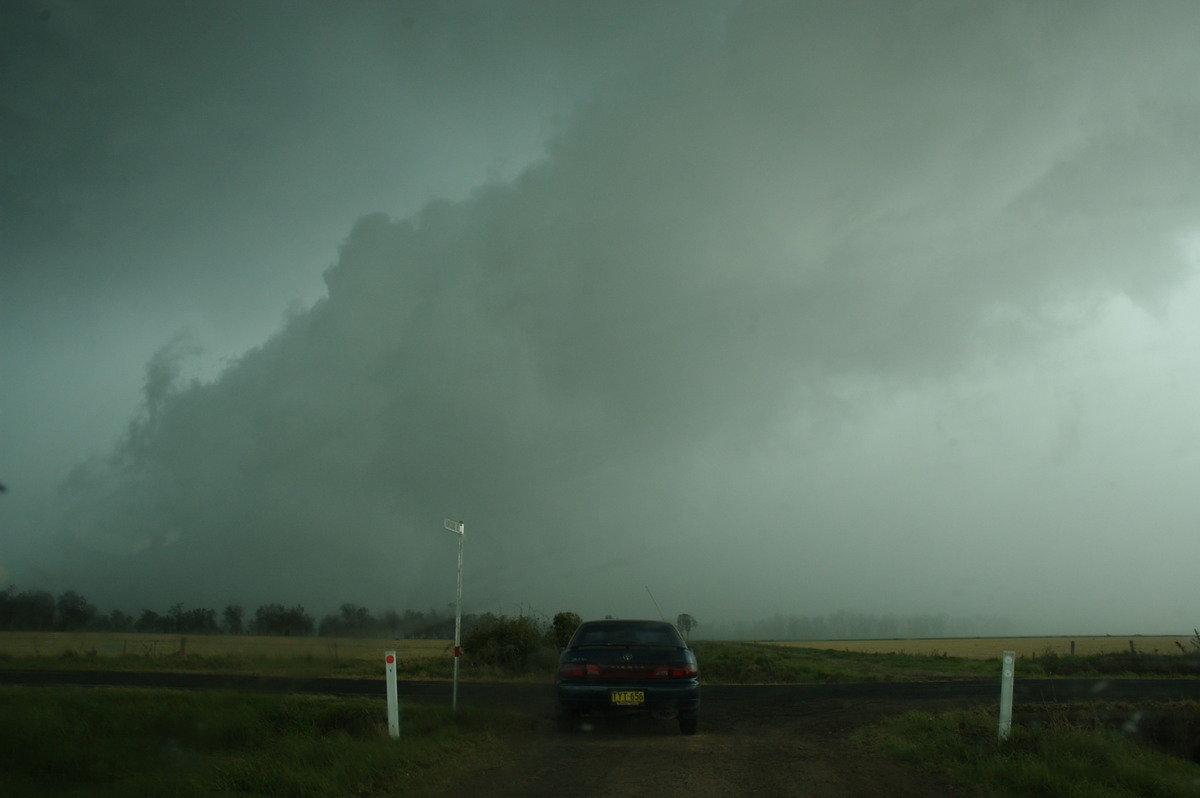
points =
(636, 633)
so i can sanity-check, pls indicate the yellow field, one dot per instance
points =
(992, 647)
(106, 644)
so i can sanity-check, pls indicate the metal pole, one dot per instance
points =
(460, 529)
(458, 616)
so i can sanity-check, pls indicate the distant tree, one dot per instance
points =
(391, 622)
(436, 626)
(150, 621)
(926, 625)
(267, 619)
(331, 626)
(888, 626)
(562, 627)
(117, 621)
(686, 624)
(74, 612)
(32, 610)
(8, 607)
(200, 621)
(415, 624)
(275, 619)
(357, 620)
(232, 617)
(172, 621)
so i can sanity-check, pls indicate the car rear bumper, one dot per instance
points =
(681, 696)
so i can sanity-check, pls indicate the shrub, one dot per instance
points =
(510, 644)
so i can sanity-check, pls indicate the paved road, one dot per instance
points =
(533, 695)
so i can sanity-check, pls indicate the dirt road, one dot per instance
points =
(795, 740)
(744, 747)
(753, 740)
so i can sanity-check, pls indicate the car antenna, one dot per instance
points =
(660, 615)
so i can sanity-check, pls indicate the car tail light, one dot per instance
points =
(682, 670)
(676, 670)
(578, 670)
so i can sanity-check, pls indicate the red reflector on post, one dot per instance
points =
(458, 651)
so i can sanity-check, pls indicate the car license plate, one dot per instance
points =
(628, 698)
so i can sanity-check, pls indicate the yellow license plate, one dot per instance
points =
(628, 698)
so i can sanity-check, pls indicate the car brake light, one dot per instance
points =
(578, 670)
(676, 670)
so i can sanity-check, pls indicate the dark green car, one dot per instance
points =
(616, 667)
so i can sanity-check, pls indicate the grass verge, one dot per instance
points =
(1066, 753)
(765, 663)
(133, 743)
(721, 662)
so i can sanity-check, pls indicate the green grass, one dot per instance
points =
(760, 663)
(1121, 665)
(57, 741)
(421, 668)
(132, 743)
(415, 668)
(1066, 755)
(720, 663)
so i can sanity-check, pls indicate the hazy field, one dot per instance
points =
(107, 644)
(992, 647)
(334, 649)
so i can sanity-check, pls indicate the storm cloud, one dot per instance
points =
(882, 305)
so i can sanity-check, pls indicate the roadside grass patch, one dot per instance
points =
(721, 662)
(136, 742)
(1065, 754)
(134, 650)
(765, 663)
(1052, 663)
(1026, 647)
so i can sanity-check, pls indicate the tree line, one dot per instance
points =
(39, 610)
(42, 611)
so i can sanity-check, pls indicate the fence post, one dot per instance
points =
(1008, 662)
(393, 703)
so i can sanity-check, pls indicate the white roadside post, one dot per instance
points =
(393, 702)
(458, 528)
(1008, 663)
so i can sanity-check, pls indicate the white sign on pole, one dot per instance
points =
(1007, 666)
(393, 702)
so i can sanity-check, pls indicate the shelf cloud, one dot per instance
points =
(846, 307)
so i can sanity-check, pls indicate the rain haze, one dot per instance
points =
(745, 310)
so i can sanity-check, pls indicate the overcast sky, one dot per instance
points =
(740, 309)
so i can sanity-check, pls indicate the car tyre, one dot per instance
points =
(687, 724)
(565, 720)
